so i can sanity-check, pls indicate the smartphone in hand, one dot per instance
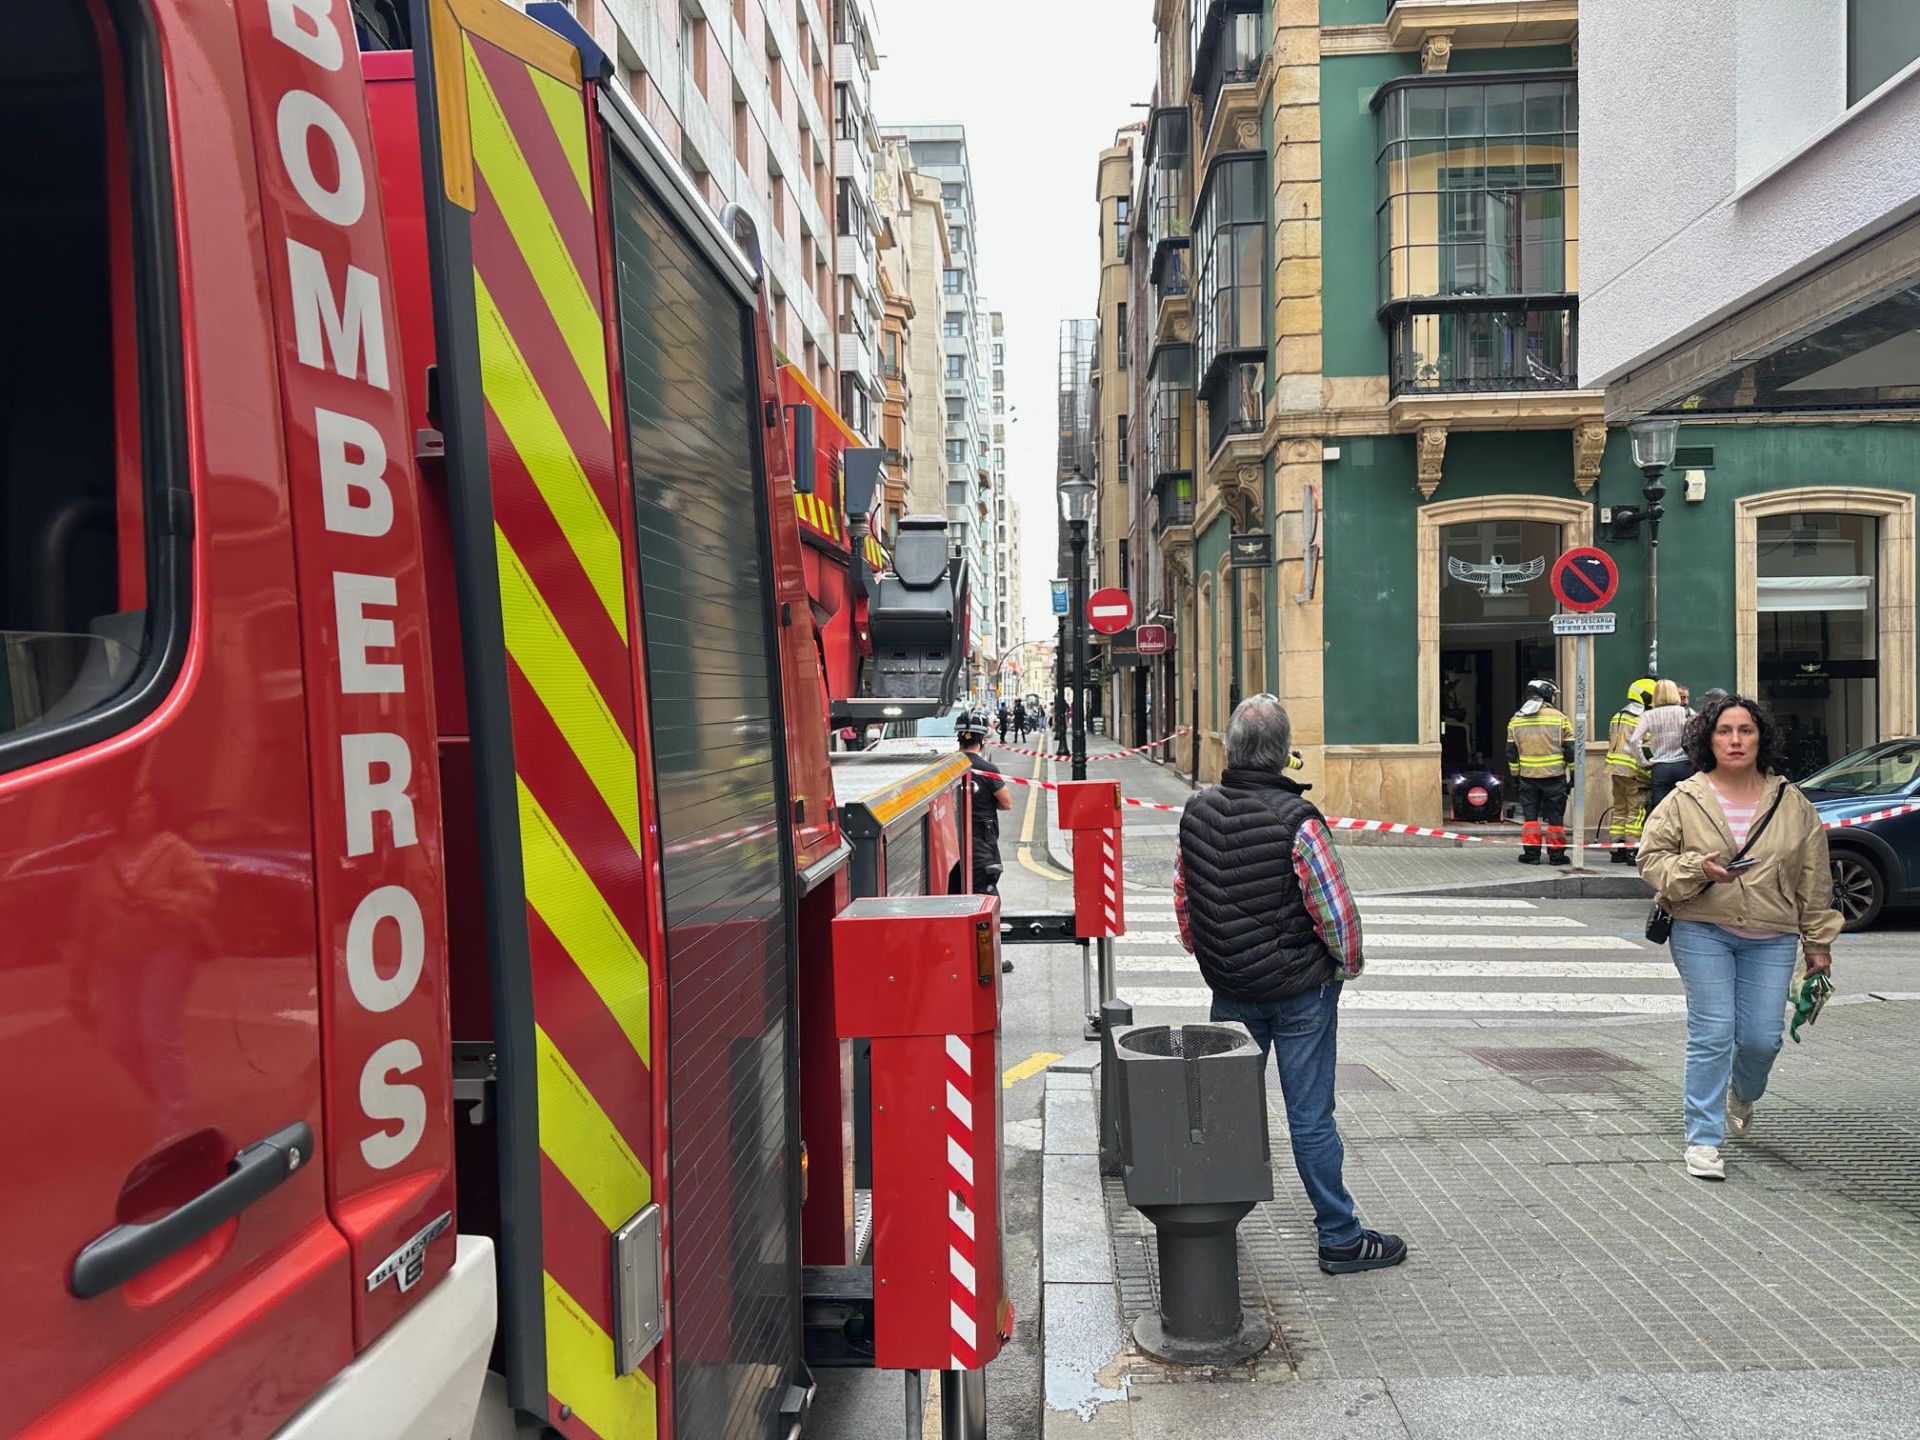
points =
(1736, 866)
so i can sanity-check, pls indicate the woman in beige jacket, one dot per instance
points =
(1736, 925)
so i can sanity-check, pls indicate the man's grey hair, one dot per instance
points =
(1259, 735)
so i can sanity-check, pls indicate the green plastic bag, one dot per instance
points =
(1807, 1005)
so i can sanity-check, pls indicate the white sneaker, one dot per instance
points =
(1739, 1115)
(1704, 1162)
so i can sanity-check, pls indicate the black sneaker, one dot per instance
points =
(1372, 1251)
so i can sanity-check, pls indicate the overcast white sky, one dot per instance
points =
(1041, 86)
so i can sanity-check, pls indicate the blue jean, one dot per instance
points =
(1302, 1033)
(1736, 1010)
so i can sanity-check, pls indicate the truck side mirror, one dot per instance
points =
(805, 477)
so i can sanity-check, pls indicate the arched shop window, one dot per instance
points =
(1817, 603)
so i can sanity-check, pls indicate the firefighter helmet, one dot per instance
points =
(970, 725)
(1544, 691)
(1641, 690)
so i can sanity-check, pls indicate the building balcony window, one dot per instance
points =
(1170, 198)
(1236, 401)
(1228, 46)
(1477, 187)
(1170, 412)
(1474, 347)
(1173, 503)
(1230, 251)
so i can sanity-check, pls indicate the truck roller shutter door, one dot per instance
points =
(712, 669)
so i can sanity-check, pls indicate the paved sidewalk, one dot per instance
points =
(1567, 1278)
(1375, 864)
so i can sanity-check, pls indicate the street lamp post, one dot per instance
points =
(1653, 442)
(1076, 508)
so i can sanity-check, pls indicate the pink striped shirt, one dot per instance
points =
(1740, 820)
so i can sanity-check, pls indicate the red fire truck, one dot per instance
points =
(421, 858)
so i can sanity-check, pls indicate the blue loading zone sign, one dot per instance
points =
(1059, 597)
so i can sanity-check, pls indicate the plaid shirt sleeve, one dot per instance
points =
(1324, 888)
(1180, 902)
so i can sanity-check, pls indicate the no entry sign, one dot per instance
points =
(1109, 611)
(1585, 579)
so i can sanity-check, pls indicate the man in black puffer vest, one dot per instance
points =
(1265, 909)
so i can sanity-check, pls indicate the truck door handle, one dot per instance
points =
(124, 1251)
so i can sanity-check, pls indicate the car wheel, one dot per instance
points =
(1859, 892)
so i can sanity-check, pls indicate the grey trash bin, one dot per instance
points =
(1193, 1149)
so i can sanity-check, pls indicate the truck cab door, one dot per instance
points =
(169, 1263)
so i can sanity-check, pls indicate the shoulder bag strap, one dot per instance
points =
(1753, 834)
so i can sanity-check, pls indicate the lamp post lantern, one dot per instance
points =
(1076, 508)
(1653, 441)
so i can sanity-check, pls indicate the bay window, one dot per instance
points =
(1477, 226)
(1230, 254)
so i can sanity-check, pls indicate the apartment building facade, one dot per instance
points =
(1753, 267)
(743, 92)
(939, 154)
(1122, 683)
(1364, 263)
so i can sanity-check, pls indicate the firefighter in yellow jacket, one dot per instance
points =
(1540, 753)
(1632, 777)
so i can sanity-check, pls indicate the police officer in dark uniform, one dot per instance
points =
(991, 795)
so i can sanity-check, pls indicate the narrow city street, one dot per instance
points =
(1509, 1094)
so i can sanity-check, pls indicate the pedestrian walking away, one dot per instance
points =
(1540, 753)
(1738, 858)
(1627, 767)
(1264, 907)
(1660, 734)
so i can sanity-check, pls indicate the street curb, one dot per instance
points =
(1570, 885)
(1082, 1333)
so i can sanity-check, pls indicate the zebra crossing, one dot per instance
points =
(1430, 955)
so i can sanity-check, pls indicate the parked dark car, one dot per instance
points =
(1877, 864)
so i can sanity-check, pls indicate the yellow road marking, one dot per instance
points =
(553, 668)
(570, 904)
(1035, 799)
(583, 1144)
(530, 221)
(580, 1373)
(1027, 1068)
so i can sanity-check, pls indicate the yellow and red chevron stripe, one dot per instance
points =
(564, 594)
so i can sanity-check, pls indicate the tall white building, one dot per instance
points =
(1009, 624)
(743, 94)
(856, 256)
(940, 153)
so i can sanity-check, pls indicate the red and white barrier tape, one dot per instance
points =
(1113, 755)
(1395, 827)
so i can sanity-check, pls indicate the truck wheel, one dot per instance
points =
(1859, 891)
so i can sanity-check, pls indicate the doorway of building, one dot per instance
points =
(1818, 623)
(1496, 634)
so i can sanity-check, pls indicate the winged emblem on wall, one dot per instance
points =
(1496, 577)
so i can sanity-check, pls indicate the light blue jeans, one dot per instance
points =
(1736, 1010)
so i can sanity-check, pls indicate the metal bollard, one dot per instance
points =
(1114, 1015)
(1192, 1131)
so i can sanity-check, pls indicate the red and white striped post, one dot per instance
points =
(1091, 810)
(920, 977)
